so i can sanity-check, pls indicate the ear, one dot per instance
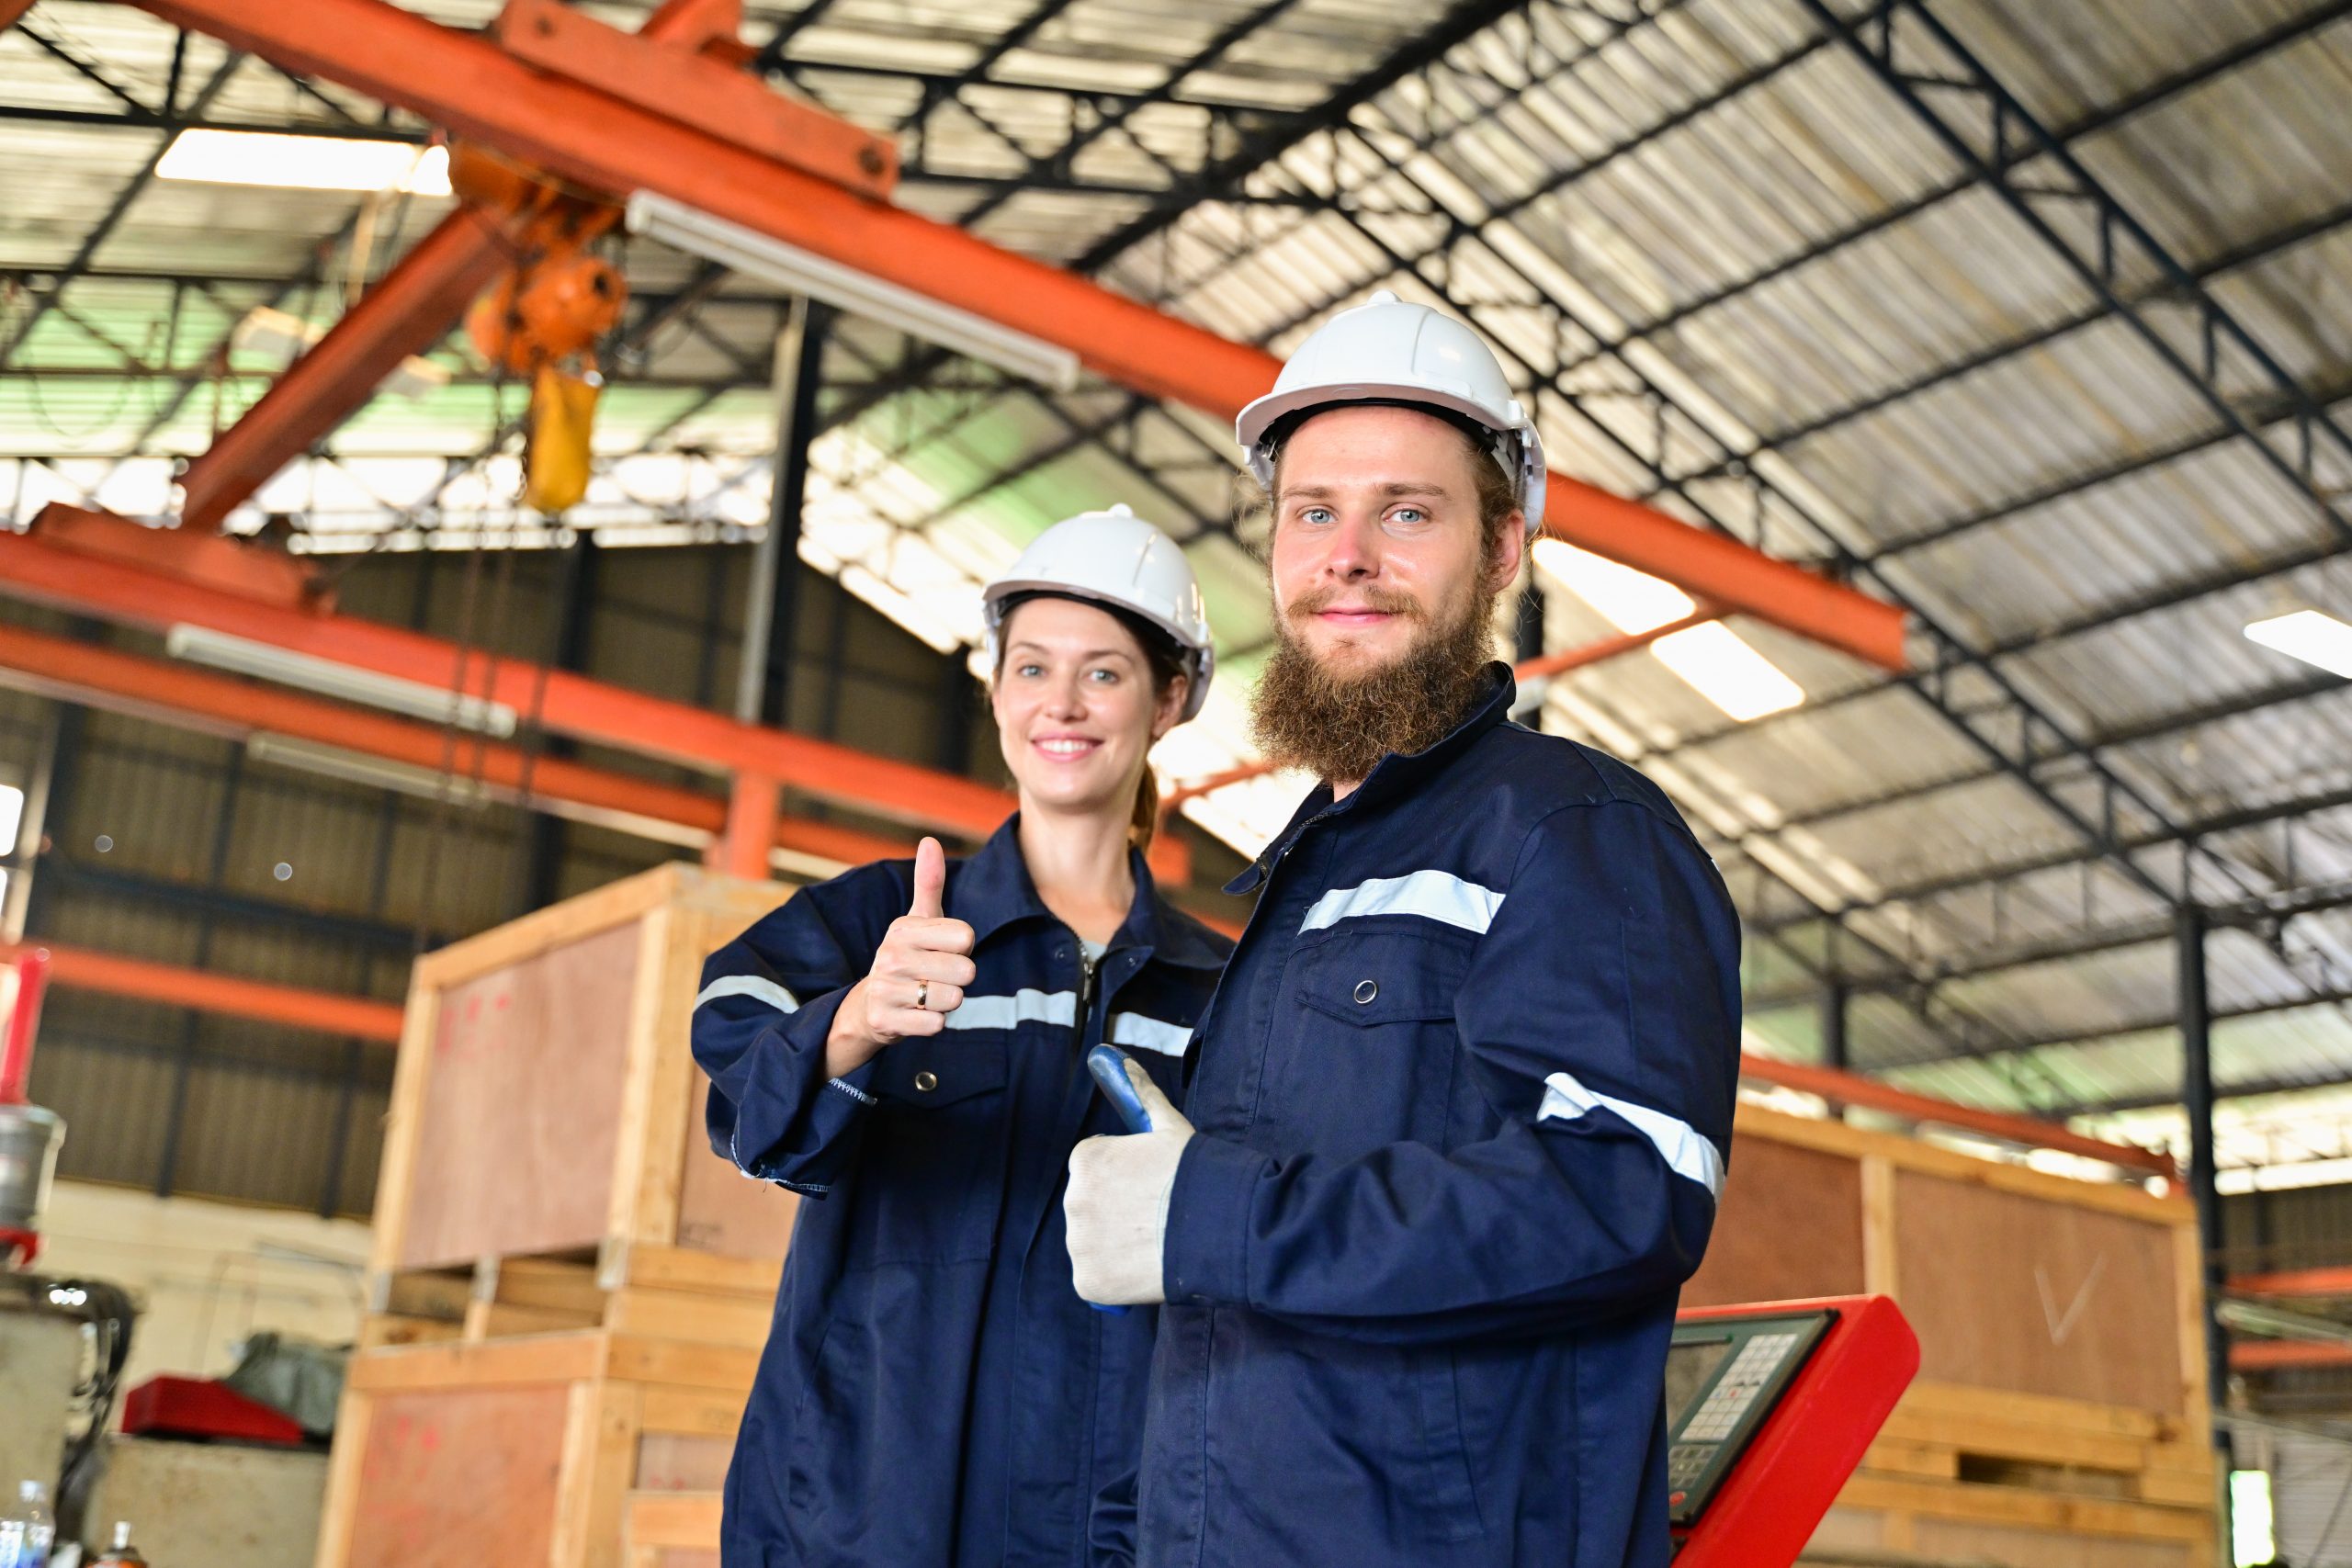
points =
(1172, 705)
(1511, 552)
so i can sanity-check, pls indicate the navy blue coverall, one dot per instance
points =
(1464, 1100)
(933, 1391)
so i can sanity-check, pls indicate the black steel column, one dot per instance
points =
(575, 605)
(2196, 1099)
(1835, 999)
(786, 499)
(192, 1021)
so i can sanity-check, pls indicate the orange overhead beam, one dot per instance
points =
(1874, 1094)
(2281, 1355)
(175, 692)
(2336, 1281)
(85, 969)
(564, 702)
(615, 144)
(407, 311)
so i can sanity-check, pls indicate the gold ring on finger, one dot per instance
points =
(922, 995)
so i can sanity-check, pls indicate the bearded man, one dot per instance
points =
(1463, 1096)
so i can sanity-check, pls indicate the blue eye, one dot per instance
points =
(1316, 515)
(1107, 677)
(1030, 671)
(1410, 515)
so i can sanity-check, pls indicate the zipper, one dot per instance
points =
(1086, 965)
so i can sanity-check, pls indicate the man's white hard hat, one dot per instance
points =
(1387, 350)
(1115, 559)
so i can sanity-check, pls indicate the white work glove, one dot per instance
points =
(1117, 1203)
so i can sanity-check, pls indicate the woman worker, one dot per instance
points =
(905, 1046)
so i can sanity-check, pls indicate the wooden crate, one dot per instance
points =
(546, 1105)
(529, 1449)
(2059, 1416)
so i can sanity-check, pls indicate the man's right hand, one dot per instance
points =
(918, 976)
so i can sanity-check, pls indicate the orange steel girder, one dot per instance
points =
(177, 693)
(572, 704)
(407, 311)
(1875, 1094)
(614, 144)
(87, 969)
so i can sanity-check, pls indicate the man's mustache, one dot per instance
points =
(1388, 601)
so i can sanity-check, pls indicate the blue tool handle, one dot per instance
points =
(1109, 1067)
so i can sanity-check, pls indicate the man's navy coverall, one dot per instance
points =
(1463, 1100)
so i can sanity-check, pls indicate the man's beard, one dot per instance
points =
(1337, 724)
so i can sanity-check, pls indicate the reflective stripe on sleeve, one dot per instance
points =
(1687, 1152)
(752, 986)
(1148, 1033)
(1022, 1007)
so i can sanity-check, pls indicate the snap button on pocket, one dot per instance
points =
(1367, 990)
(925, 1081)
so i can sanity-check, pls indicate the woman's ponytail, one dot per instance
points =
(1145, 821)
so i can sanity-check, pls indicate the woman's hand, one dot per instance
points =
(919, 975)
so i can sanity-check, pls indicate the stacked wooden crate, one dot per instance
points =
(2060, 1419)
(569, 1289)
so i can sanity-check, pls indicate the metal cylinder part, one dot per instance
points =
(29, 1139)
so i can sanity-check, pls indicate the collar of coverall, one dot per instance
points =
(992, 889)
(1395, 773)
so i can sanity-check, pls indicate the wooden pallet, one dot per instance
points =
(2032, 1481)
(525, 1449)
(667, 1292)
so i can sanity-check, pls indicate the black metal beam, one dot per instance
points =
(2197, 1099)
(787, 500)
(184, 1059)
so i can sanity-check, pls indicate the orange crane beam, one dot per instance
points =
(411, 307)
(176, 694)
(31, 567)
(1874, 1094)
(205, 990)
(612, 143)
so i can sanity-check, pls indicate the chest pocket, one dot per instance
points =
(1371, 1054)
(945, 1069)
(931, 1176)
(1368, 977)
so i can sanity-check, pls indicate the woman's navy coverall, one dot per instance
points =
(1464, 1102)
(933, 1391)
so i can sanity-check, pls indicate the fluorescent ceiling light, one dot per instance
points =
(374, 772)
(2308, 635)
(305, 163)
(414, 698)
(789, 267)
(1714, 659)
(284, 338)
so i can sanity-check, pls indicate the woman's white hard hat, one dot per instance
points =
(1389, 350)
(1113, 557)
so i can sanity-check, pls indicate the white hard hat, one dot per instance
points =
(1388, 351)
(1114, 558)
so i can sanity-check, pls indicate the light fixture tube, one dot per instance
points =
(240, 656)
(861, 294)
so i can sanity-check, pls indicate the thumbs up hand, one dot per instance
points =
(918, 976)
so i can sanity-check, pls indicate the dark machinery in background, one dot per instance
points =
(63, 1342)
